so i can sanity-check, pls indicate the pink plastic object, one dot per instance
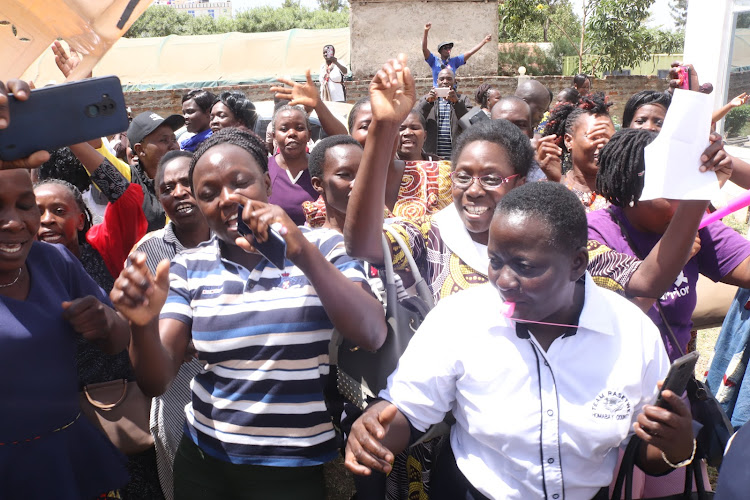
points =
(734, 205)
(507, 309)
(684, 75)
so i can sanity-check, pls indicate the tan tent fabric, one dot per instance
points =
(209, 60)
(90, 26)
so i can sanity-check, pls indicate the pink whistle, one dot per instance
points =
(507, 309)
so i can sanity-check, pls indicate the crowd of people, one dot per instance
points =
(145, 258)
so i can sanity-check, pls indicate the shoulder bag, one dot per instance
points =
(121, 411)
(361, 373)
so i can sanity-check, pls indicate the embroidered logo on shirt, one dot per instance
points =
(611, 405)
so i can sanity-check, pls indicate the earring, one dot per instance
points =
(631, 204)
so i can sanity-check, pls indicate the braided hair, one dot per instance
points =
(643, 98)
(63, 164)
(563, 118)
(621, 166)
(238, 137)
(240, 105)
(482, 95)
(76, 194)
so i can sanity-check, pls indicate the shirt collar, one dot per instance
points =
(254, 274)
(593, 316)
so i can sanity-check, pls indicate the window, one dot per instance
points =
(212, 13)
(191, 12)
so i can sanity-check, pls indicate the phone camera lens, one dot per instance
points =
(92, 110)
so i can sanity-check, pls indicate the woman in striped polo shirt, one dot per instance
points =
(257, 425)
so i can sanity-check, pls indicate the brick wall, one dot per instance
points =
(738, 83)
(619, 88)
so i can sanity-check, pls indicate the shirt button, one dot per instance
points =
(556, 496)
(546, 363)
(550, 460)
(550, 412)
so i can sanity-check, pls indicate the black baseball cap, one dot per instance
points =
(148, 121)
(445, 44)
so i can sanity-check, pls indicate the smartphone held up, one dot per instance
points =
(442, 92)
(64, 114)
(273, 249)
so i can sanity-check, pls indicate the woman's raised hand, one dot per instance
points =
(139, 295)
(740, 100)
(392, 91)
(260, 216)
(716, 159)
(549, 156)
(671, 431)
(66, 63)
(303, 94)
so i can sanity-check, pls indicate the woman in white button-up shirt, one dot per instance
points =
(541, 409)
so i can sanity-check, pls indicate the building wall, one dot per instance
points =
(619, 89)
(383, 28)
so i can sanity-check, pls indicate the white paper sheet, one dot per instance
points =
(673, 159)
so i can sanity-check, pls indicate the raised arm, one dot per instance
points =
(734, 103)
(340, 66)
(664, 262)
(392, 94)
(306, 94)
(425, 51)
(110, 181)
(473, 51)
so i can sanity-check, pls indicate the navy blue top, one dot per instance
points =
(39, 389)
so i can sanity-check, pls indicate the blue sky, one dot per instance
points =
(659, 11)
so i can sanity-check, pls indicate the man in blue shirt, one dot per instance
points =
(445, 60)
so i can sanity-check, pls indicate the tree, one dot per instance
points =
(678, 11)
(535, 21)
(160, 20)
(332, 5)
(613, 33)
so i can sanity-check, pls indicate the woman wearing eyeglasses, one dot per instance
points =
(449, 246)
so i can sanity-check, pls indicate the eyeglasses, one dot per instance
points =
(464, 180)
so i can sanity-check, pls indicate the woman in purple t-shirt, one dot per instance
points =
(635, 249)
(290, 180)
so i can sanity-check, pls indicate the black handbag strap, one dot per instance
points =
(625, 475)
(624, 231)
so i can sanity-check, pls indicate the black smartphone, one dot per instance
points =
(64, 114)
(273, 249)
(678, 377)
